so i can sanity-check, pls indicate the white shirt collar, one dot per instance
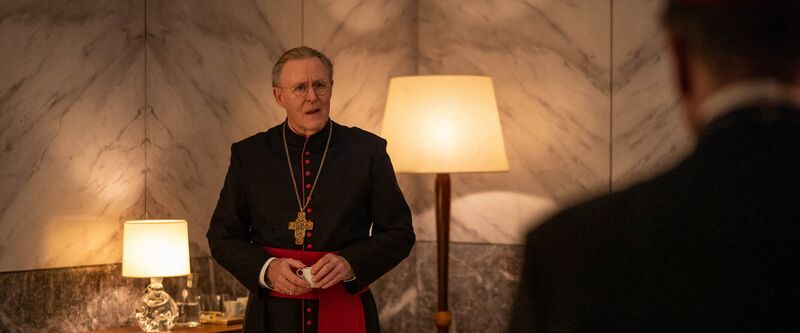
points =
(744, 93)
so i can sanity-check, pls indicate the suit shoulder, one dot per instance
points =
(606, 213)
(591, 213)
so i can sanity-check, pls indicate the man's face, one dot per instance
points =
(308, 112)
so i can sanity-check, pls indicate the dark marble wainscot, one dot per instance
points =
(482, 280)
(80, 299)
(482, 284)
(67, 299)
(396, 295)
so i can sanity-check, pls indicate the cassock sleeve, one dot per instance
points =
(392, 234)
(229, 231)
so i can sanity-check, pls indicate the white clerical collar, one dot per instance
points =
(745, 93)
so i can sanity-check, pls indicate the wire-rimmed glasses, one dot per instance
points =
(321, 87)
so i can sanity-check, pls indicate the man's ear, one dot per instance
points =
(278, 94)
(680, 57)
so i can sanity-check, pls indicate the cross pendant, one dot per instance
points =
(300, 225)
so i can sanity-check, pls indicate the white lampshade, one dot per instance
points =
(443, 124)
(155, 248)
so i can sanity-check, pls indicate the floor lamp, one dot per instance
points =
(443, 124)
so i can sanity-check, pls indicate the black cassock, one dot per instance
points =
(356, 190)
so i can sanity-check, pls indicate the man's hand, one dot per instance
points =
(330, 270)
(281, 273)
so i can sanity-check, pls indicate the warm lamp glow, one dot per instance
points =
(155, 248)
(443, 124)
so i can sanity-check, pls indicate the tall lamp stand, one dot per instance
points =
(443, 124)
(443, 317)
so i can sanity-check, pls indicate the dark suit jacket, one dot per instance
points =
(357, 189)
(711, 245)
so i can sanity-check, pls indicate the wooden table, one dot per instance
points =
(205, 328)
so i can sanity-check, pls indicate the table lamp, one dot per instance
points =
(443, 124)
(155, 249)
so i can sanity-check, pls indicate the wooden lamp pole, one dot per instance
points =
(443, 317)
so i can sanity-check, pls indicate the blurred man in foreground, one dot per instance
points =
(713, 244)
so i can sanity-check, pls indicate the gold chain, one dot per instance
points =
(291, 169)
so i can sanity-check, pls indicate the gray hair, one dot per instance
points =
(296, 53)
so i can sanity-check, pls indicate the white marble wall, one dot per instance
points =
(550, 64)
(209, 84)
(73, 120)
(369, 41)
(71, 130)
(649, 133)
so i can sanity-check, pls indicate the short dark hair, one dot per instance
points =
(296, 53)
(740, 38)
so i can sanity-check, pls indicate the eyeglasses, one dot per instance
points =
(320, 87)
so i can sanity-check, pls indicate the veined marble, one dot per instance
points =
(482, 283)
(92, 297)
(68, 300)
(552, 83)
(369, 42)
(397, 295)
(649, 131)
(71, 130)
(209, 84)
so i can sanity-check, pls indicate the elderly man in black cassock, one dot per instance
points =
(310, 193)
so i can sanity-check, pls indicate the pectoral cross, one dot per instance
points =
(300, 225)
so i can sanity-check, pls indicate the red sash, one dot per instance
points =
(339, 311)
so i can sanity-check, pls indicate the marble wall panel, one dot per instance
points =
(397, 296)
(67, 300)
(482, 283)
(369, 42)
(550, 64)
(96, 297)
(71, 130)
(649, 132)
(209, 72)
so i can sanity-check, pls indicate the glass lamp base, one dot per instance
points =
(156, 310)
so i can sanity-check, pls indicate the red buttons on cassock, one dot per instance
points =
(308, 210)
(309, 322)
(308, 310)
(308, 173)
(308, 186)
(308, 153)
(309, 246)
(308, 233)
(308, 161)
